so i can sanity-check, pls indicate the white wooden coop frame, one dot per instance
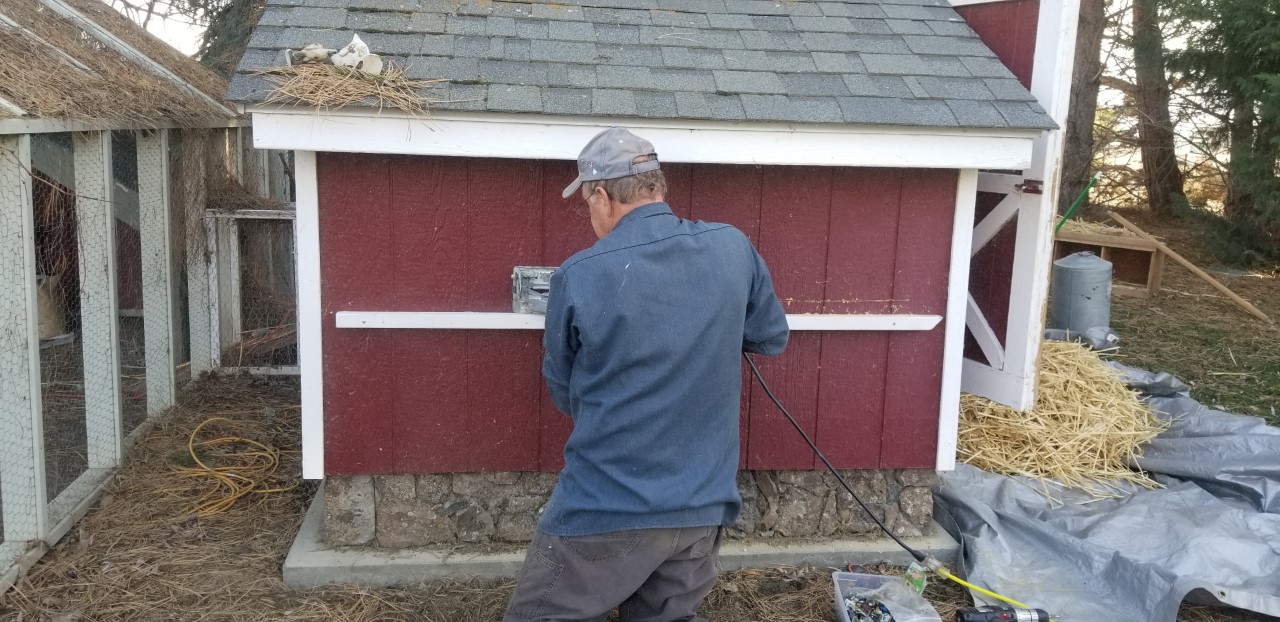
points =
(32, 521)
(1009, 376)
(222, 278)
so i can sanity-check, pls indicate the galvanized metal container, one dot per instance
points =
(1081, 289)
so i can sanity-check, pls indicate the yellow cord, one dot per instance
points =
(944, 573)
(234, 482)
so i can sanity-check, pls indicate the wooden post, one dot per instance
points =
(1162, 248)
(227, 257)
(21, 414)
(99, 311)
(193, 195)
(159, 317)
(310, 321)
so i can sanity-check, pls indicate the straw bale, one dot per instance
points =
(1085, 426)
(37, 77)
(331, 87)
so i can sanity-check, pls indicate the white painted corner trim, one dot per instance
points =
(530, 321)
(957, 300)
(550, 137)
(310, 350)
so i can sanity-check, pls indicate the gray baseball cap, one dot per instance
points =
(610, 155)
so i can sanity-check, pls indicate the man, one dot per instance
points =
(643, 341)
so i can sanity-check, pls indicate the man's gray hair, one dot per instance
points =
(646, 185)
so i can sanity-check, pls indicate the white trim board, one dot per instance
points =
(957, 298)
(561, 138)
(306, 233)
(531, 321)
(46, 126)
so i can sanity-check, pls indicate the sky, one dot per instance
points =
(183, 36)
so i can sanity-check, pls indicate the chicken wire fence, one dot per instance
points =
(130, 262)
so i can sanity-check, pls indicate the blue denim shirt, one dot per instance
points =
(645, 332)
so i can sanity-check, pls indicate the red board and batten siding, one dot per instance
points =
(410, 233)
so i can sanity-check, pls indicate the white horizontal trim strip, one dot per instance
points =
(46, 126)
(530, 321)
(561, 138)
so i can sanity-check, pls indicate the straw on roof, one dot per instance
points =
(1084, 427)
(329, 87)
(195, 74)
(51, 68)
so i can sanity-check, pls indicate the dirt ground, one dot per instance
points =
(142, 555)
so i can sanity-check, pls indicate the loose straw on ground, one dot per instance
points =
(1085, 425)
(332, 87)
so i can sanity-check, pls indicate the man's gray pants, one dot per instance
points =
(650, 575)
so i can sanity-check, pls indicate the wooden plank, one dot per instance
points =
(191, 200)
(1156, 273)
(860, 273)
(433, 431)
(993, 222)
(1110, 241)
(966, 194)
(430, 201)
(502, 232)
(253, 214)
(731, 195)
(99, 321)
(566, 224)
(466, 320)
(795, 208)
(566, 230)
(1184, 262)
(679, 187)
(228, 290)
(914, 368)
(357, 262)
(503, 369)
(306, 233)
(22, 464)
(159, 312)
(531, 137)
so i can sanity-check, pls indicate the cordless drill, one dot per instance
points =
(1001, 613)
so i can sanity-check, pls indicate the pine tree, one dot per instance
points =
(1232, 63)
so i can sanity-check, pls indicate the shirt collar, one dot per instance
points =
(644, 211)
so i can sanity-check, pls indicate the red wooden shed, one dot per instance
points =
(874, 151)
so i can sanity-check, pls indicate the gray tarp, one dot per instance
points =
(1213, 535)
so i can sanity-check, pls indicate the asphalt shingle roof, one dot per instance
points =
(895, 62)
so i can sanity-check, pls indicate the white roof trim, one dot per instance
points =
(538, 136)
(100, 33)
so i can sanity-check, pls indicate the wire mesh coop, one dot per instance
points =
(130, 262)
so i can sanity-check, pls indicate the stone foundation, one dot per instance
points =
(403, 511)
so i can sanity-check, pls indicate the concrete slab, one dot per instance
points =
(311, 563)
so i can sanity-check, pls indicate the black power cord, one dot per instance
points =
(920, 557)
